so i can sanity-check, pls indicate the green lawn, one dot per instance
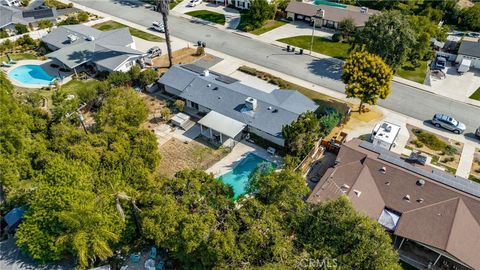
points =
(418, 74)
(110, 25)
(476, 95)
(320, 45)
(208, 16)
(74, 85)
(18, 56)
(268, 26)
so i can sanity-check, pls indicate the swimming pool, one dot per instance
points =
(31, 75)
(238, 177)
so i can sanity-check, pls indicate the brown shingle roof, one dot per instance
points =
(335, 14)
(436, 215)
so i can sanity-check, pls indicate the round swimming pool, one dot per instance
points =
(32, 75)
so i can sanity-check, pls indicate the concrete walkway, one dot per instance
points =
(466, 160)
(232, 16)
(292, 29)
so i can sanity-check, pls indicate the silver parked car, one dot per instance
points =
(448, 122)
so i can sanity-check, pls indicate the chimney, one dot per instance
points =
(363, 10)
(251, 103)
(206, 73)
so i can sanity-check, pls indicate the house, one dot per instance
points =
(230, 107)
(76, 45)
(333, 13)
(11, 15)
(469, 50)
(433, 217)
(241, 4)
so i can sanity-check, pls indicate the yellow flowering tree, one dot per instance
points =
(367, 77)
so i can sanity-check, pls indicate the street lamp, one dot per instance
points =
(319, 15)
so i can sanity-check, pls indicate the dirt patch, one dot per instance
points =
(464, 3)
(475, 171)
(444, 158)
(360, 124)
(154, 107)
(177, 155)
(182, 56)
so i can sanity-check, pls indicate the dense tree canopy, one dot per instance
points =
(260, 11)
(470, 18)
(388, 35)
(366, 77)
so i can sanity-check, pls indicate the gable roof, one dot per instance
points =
(107, 49)
(275, 109)
(436, 214)
(13, 15)
(470, 48)
(332, 13)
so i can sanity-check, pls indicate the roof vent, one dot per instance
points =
(275, 111)
(215, 88)
(357, 192)
(90, 38)
(407, 198)
(420, 200)
(270, 108)
(209, 85)
(387, 183)
(344, 188)
(72, 38)
(251, 103)
(206, 73)
(383, 169)
(420, 182)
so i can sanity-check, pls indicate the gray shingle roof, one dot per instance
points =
(107, 49)
(275, 109)
(469, 48)
(13, 15)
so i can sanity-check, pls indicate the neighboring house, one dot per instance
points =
(333, 14)
(231, 107)
(10, 3)
(433, 217)
(9, 16)
(242, 4)
(469, 50)
(76, 45)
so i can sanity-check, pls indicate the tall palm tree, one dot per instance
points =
(164, 7)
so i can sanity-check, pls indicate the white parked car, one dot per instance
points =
(193, 3)
(158, 26)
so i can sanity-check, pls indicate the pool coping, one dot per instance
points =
(20, 63)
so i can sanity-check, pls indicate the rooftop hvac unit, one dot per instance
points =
(90, 38)
(72, 38)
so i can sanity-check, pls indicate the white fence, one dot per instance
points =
(34, 34)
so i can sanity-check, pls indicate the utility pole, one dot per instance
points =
(319, 15)
(164, 7)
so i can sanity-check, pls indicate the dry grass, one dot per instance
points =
(182, 56)
(475, 171)
(449, 162)
(154, 105)
(177, 155)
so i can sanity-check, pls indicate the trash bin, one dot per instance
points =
(300, 51)
(293, 49)
(199, 43)
(288, 48)
(204, 44)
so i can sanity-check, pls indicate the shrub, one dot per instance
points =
(3, 34)
(450, 150)
(200, 51)
(21, 28)
(180, 104)
(43, 24)
(118, 78)
(417, 143)
(430, 140)
(83, 16)
(336, 37)
(166, 113)
(328, 122)
(70, 20)
(147, 77)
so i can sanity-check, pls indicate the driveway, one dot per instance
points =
(293, 29)
(456, 86)
(232, 16)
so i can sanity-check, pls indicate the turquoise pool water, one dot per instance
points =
(31, 75)
(238, 177)
(328, 3)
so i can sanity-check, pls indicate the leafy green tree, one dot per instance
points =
(366, 77)
(329, 121)
(70, 20)
(119, 78)
(3, 34)
(260, 11)
(388, 35)
(347, 28)
(334, 230)
(21, 28)
(301, 134)
(148, 77)
(135, 73)
(43, 24)
(470, 17)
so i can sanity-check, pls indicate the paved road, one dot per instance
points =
(404, 99)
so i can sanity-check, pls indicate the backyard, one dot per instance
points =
(208, 16)
(476, 95)
(444, 152)
(19, 56)
(110, 25)
(178, 155)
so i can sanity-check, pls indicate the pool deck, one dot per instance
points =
(45, 64)
(240, 151)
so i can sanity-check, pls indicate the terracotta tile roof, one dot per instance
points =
(434, 214)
